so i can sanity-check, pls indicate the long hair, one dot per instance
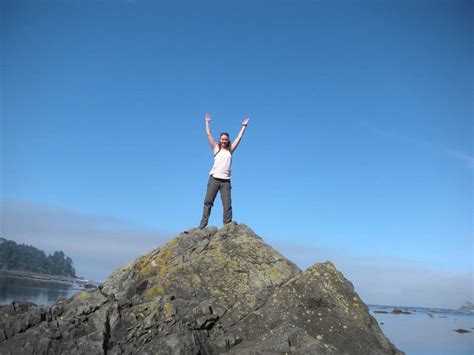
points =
(228, 145)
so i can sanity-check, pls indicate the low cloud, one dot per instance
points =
(388, 280)
(97, 244)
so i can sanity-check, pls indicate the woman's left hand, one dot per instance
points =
(246, 121)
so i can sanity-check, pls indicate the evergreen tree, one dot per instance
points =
(23, 257)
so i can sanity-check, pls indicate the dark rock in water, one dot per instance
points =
(399, 311)
(204, 292)
(384, 312)
(462, 331)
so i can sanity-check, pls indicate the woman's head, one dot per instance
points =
(224, 141)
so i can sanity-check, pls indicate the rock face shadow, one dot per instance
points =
(205, 291)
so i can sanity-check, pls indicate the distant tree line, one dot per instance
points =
(23, 257)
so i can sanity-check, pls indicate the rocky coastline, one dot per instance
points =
(204, 292)
(73, 281)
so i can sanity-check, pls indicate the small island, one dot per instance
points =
(467, 306)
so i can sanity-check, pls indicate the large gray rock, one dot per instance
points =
(204, 292)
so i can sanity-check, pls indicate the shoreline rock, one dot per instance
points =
(40, 277)
(462, 331)
(467, 306)
(204, 292)
(400, 311)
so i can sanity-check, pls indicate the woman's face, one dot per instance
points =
(224, 140)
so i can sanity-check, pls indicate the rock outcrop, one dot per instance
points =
(204, 292)
(468, 306)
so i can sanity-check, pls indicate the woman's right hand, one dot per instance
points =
(212, 142)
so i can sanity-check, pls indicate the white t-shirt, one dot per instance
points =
(222, 164)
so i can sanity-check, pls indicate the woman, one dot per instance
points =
(219, 176)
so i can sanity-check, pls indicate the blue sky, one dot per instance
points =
(359, 149)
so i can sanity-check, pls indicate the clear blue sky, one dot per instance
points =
(360, 142)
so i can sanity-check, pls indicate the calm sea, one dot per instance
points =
(36, 291)
(427, 331)
(423, 332)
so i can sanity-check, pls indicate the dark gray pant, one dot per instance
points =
(213, 186)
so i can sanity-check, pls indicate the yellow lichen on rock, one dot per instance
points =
(83, 295)
(155, 290)
(195, 280)
(145, 270)
(168, 309)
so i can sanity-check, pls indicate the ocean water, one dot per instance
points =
(427, 331)
(36, 291)
(423, 332)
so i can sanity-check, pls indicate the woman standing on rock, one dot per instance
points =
(219, 176)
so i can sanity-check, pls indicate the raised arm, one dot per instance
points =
(236, 141)
(212, 142)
